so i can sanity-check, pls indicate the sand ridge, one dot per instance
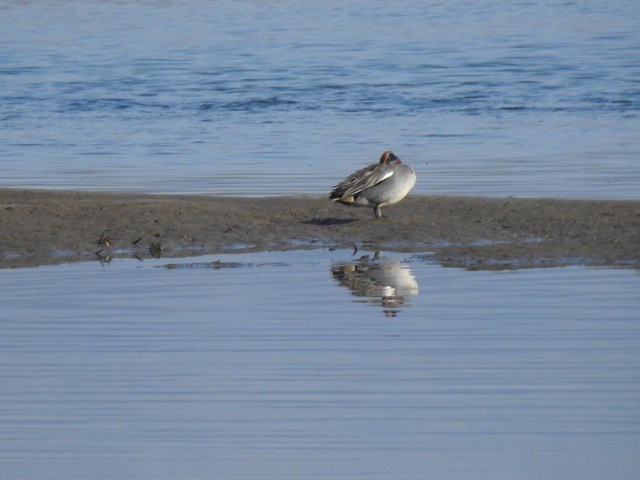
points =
(39, 227)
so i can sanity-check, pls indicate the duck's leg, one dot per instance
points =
(377, 211)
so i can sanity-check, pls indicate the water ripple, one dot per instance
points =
(273, 84)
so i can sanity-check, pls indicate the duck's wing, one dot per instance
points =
(359, 181)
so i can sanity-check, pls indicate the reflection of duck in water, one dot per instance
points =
(384, 282)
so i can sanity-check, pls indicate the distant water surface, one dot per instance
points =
(316, 364)
(271, 98)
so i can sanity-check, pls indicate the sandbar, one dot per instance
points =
(41, 227)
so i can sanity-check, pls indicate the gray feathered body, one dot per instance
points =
(376, 186)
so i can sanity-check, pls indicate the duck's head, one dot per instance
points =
(390, 157)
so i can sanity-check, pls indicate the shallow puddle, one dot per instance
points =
(318, 364)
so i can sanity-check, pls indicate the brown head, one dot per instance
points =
(390, 157)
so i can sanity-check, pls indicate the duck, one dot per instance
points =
(379, 185)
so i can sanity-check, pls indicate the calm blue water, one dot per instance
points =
(310, 364)
(262, 98)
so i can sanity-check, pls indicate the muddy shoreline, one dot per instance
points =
(46, 227)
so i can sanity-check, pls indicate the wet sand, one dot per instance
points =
(46, 227)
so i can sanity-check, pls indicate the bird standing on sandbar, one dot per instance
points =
(377, 185)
